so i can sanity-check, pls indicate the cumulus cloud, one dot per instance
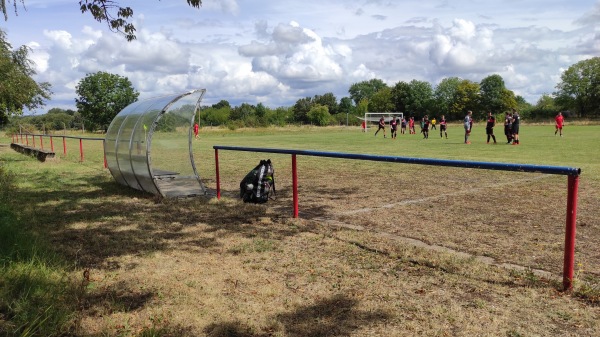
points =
(296, 56)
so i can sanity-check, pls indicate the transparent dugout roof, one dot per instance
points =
(149, 145)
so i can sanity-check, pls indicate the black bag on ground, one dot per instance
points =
(258, 184)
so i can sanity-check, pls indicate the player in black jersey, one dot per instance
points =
(516, 120)
(489, 127)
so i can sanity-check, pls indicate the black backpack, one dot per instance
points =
(258, 183)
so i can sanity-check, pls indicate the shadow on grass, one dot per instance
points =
(90, 219)
(335, 316)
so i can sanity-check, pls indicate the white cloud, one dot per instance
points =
(244, 52)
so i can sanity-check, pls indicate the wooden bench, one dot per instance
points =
(40, 154)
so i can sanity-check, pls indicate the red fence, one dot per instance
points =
(571, 172)
(35, 140)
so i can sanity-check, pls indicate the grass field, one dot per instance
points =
(379, 249)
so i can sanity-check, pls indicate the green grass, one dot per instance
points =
(40, 200)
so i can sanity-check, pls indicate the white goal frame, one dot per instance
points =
(375, 116)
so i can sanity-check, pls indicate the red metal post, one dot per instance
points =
(81, 149)
(64, 147)
(27, 139)
(217, 172)
(104, 149)
(41, 142)
(51, 144)
(295, 185)
(570, 232)
(21, 138)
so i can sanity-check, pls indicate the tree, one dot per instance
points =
(108, 11)
(319, 115)
(365, 89)
(465, 98)
(400, 94)
(420, 97)
(18, 90)
(579, 89)
(328, 100)
(443, 95)
(346, 105)
(494, 96)
(381, 101)
(102, 96)
(301, 109)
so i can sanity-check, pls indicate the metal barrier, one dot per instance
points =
(18, 138)
(571, 172)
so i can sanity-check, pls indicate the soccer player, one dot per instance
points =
(433, 121)
(516, 120)
(411, 126)
(468, 124)
(508, 127)
(403, 125)
(425, 127)
(394, 127)
(196, 128)
(443, 126)
(489, 127)
(559, 119)
(381, 126)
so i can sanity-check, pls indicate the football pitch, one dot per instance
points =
(379, 249)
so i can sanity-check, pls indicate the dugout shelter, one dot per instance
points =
(148, 145)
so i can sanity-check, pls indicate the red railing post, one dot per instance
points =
(104, 149)
(64, 147)
(570, 232)
(81, 149)
(217, 173)
(27, 139)
(51, 144)
(41, 142)
(295, 185)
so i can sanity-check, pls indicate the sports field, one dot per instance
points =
(380, 249)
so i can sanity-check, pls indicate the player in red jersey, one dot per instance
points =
(559, 119)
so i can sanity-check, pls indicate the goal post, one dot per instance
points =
(373, 117)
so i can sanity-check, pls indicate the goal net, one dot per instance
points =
(373, 117)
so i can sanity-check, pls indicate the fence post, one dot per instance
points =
(27, 139)
(570, 231)
(81, 149)
(41, 142)
(51, 144)
(64, 147)
(104, 150)
(295, 185)
(217, 173)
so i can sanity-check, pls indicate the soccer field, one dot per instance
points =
(382, 249)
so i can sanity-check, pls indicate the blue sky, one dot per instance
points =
(276, 52)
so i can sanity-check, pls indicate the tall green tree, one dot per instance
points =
(494, 96)
(381, 101)
(102, 96)
(365, 89)
(579, 88)
(328, 100)
(444, 94)
(465, 98)
(108, 11)
(301, 109)
(400, 96)
(420, 97)
(18, 90)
